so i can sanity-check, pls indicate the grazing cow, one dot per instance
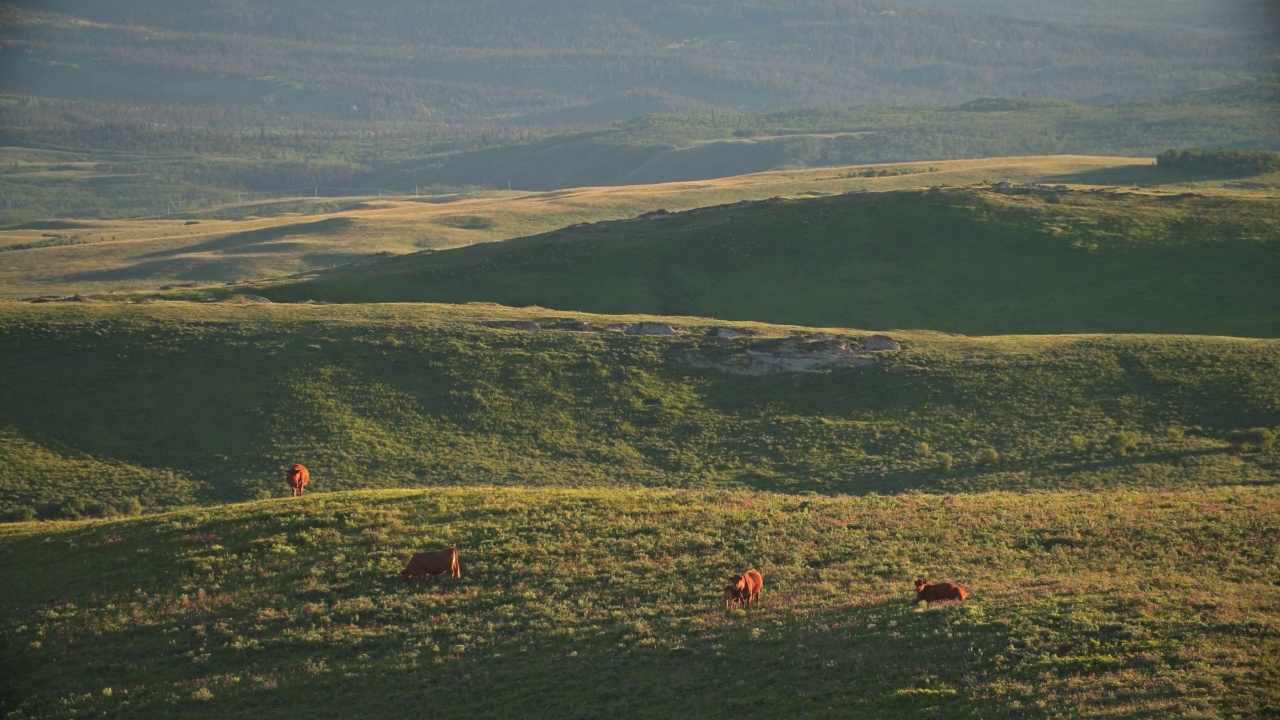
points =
(432, 562)
(748, 586)
(297, 477)
(940, 591)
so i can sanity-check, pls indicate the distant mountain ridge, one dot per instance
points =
(584, 61)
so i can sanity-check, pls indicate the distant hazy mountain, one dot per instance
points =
(232, 63)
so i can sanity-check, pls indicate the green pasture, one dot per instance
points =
(112, 407)
(606, 603)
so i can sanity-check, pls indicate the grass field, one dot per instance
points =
(974, 260)
(606, 603)
(169, 403)
(239, 242)
(1110, 500)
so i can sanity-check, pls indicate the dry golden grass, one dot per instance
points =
(120, 255)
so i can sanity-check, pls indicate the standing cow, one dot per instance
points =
(432, 562)
(746, 586)
(297, 477)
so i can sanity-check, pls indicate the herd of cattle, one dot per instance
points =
(741, 590)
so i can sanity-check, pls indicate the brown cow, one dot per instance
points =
(297, 477)
(748, 586)
(940, 591)
(432, 562)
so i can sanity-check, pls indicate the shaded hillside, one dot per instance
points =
(109, 405)
(606, 603)
(971, 260)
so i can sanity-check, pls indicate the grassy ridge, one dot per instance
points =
(969, 260)
(605, 603)
(174, 403)
(253, 240)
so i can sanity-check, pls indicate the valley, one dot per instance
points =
(594, 307)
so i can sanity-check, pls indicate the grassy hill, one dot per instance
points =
(110, 407)
(258, 239)
(973, 260)
(606, 603)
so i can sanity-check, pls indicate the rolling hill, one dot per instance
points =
(112, 407)
(999, 259)
(606, 603)
(621, 299)
(252, 240)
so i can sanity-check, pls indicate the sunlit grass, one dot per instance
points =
(121, 255)
(173, 403)
(606, 602)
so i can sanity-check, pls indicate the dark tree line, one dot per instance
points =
(1221, 161)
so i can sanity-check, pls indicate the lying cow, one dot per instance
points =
(940, 591)
(432, 562)
(747, 586)
(297, 477)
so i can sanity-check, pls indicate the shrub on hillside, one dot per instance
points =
(72, 509)
(945, 461)
(21, 514)
(990, 456)
(79, 509)
(1260, 439)
(100, 510)
(1122, 443)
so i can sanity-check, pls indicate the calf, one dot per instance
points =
(939, 591)
(432, 562)
(732, 596)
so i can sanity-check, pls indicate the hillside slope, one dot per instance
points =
(109, 406)
(607, 603)
(971, 260)
(255, 240)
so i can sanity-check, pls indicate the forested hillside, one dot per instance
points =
(294, 63)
